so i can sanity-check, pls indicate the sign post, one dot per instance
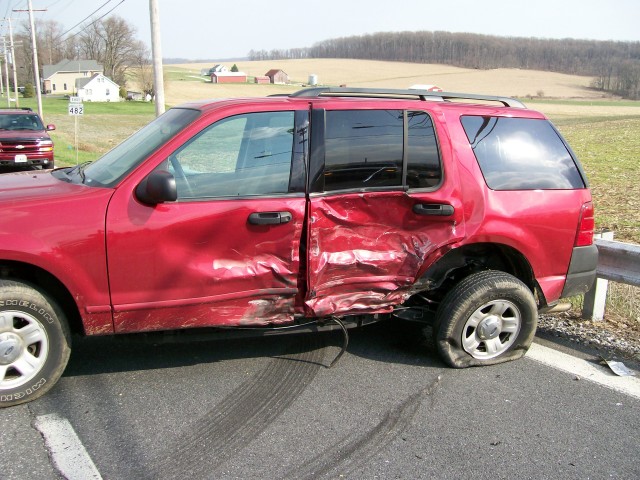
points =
(76, 109)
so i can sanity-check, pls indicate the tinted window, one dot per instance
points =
(242, 155)
(363, 149)
(423, 162)
(521, 154)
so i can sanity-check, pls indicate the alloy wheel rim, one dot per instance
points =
(24, 346)
(491, 329)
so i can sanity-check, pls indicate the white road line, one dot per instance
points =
(65, 448)
(585, 370)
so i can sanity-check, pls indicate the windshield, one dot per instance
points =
(118, 162)
(20, 121)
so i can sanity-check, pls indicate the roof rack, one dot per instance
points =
(316, 92)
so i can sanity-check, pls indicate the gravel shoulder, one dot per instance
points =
(613, 340)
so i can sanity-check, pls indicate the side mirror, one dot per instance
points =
(158, 187)
(50, 127)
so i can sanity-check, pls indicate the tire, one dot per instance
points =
(489, 317)
(34, 343)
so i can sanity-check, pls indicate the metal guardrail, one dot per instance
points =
(618, 262)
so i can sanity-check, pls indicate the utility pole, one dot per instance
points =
(13, 64)
(1, 81)
(156, 53)
(6, 71)
(36, 68)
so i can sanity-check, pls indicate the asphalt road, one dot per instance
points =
(268, 408)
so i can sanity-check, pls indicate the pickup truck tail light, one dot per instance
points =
(586, 226)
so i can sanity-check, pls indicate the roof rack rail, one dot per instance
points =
(316, 92)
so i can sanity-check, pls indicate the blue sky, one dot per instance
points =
(199, 29)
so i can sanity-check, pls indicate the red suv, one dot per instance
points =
(24, 140)
(469, 213)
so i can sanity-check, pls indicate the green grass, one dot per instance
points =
(58, 106)
(184, 75)
(609, 151)
(102, 126)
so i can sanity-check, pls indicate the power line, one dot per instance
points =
(85, 18)
(96, 20)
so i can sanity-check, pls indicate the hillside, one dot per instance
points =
(367, 73)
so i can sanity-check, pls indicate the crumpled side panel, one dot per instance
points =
(366, 250)
(264, 309)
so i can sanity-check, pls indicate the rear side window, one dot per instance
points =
(521, 154)
(363, 149)
(368, 148)
(423, 162)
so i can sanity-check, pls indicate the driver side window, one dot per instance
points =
(243, 155)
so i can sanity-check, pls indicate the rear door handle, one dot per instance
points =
(437, 209)
(270, 218)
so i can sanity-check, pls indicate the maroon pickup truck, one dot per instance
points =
(468, 213)
(24, 140)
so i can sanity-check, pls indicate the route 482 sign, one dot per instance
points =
(76, 109)
(75, 106)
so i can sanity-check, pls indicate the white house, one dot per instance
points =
(98, 88)
(61, 77)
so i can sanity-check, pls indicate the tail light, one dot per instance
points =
(586, 226)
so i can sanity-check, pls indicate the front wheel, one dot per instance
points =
(489, 317)
(34, 343)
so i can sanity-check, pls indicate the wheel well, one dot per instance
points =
(463, 261)
(48, 284)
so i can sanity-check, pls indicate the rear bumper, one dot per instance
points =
(582, 271)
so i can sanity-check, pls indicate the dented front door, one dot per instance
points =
(227, 251)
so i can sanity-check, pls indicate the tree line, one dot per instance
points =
(615, 66)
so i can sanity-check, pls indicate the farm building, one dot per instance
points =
(229, 77)
(277, 76)
(262, 79)
(98, 88)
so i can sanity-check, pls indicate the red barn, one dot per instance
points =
(228, 77)
(277, 76)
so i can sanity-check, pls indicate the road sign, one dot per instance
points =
(75, 100)
(76, 109)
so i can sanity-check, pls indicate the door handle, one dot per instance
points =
(270, 218)
(436, 209)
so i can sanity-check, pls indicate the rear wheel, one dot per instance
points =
(489, 317)
(34, 343)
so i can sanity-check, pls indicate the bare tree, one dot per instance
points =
(144, 71)
(112, 43)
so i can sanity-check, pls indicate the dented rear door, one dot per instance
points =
(383, 201)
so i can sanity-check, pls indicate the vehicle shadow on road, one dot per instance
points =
(388, 341)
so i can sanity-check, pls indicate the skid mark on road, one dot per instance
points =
(241, 416)
(353, 451)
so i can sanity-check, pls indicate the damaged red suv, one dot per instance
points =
(24, 140)
(329, 206)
